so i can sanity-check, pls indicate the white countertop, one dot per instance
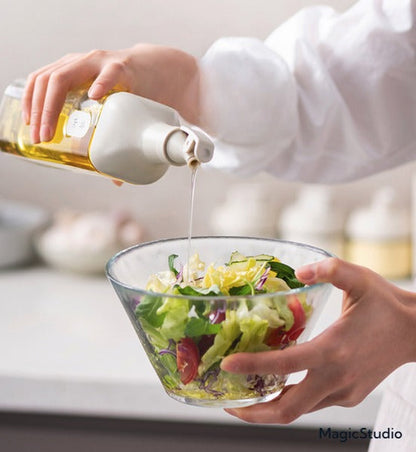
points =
(67, 347)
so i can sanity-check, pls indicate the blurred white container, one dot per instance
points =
(379, 236)
(314, 219)
(19, 223)
(84, 242)
(248, 210)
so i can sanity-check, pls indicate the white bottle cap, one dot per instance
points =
(381, 220)
(188, 144)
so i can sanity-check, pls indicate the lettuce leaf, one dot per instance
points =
(175, 311)
(171, 263)
(253, 330)
(212, 291)
(286, 273)
(147, 309)
(198, 327)
(223, 341)
(280, 304)
(157, 339)
(265, 312)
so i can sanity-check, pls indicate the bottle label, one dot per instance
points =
(78, 124)
(14, 91)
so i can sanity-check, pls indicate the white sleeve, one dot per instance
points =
(326, 98)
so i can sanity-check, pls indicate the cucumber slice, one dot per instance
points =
(263, 257)
(238, 258)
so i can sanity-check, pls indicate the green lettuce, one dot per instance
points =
(286, 273)
(253, 331)
(268, 313)
(198, 327)
(148, 308)
(176, 316)
(158, 340)
(223, 341)
(280, 304)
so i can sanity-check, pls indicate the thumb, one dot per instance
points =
(345, 276)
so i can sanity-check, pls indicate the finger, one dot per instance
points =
(281, 362)
(111, 75)
(31, 80)
(54, 101)
(38, 99)
(119, 183)
(62, 80)
(296, 401)
(344, 275)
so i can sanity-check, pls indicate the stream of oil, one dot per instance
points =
(194, 171)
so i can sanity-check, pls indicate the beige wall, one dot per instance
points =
(33, 33)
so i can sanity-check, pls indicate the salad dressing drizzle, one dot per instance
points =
(194, 170)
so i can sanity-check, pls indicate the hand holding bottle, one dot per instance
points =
(165, 75)
(122, 135)
(374, 335)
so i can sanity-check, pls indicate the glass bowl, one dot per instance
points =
(188, 362)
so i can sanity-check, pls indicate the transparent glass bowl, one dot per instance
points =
(129, 270)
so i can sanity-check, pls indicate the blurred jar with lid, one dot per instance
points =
(379, 236)
(248, 210)
(315, 219)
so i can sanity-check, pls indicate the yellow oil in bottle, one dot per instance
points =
(74, 131)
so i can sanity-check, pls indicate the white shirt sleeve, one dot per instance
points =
(326, 98)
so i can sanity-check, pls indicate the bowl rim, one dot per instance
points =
(117, 256)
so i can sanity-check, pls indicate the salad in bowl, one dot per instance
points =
(231, 295)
